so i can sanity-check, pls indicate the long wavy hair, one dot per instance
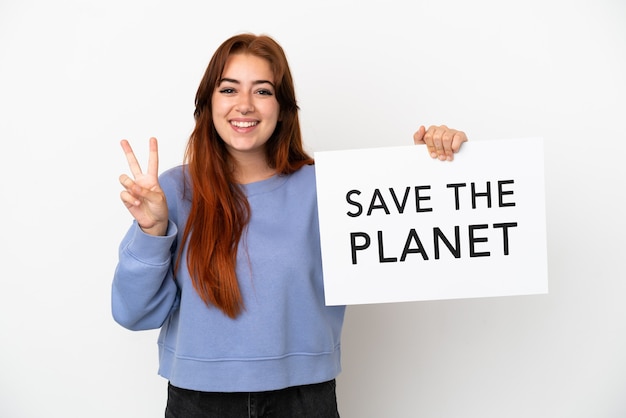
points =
(219, 208)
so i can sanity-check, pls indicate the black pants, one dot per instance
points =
(308, 401)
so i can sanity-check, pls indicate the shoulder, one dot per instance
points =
(302, 182)
(174, 175)
(174, 181)
(306, 174)
(302, 179)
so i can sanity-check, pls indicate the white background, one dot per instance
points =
(78, 76)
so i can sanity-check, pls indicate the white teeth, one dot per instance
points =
(243, 124)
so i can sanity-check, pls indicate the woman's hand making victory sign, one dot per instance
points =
(142, 195)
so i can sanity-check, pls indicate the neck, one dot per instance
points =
(250, 169)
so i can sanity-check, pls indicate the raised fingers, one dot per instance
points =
(142, 194)
(135, 168)
(153, 158)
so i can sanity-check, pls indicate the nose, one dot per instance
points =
(245, 106)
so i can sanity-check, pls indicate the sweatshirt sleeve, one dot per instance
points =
(144, 291)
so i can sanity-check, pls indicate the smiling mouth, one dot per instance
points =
(243, 124)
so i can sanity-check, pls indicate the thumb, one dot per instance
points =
(418, 137)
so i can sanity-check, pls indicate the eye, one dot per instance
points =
(265, 92)
(227, 90)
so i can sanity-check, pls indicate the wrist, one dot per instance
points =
(157, 230)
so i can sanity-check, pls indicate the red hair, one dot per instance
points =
(219, 208)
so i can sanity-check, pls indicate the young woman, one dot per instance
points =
(224, 253)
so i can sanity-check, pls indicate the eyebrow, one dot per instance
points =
(232, 80)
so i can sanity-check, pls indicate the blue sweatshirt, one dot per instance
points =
(286, 336)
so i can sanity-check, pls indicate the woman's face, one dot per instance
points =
(245, 109)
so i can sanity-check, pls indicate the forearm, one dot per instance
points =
(144, 290)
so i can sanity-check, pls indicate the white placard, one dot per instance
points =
(396, 225)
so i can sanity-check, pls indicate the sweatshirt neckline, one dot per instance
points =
(264, 186)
